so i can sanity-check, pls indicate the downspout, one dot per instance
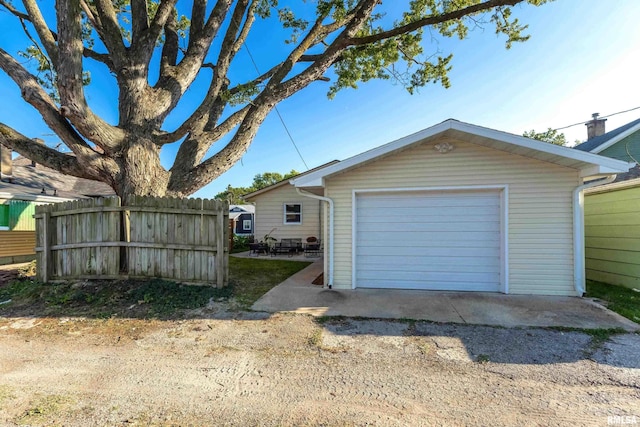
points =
(578, 231)
(330, 202)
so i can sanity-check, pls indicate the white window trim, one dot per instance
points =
(246, 225)
(284, 213)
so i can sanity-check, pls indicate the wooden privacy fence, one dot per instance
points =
(184, 240)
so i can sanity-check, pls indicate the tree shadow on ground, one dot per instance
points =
(473, 343)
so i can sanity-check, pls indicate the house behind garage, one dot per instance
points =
(612, 218)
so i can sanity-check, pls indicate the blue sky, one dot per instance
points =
(582, 58)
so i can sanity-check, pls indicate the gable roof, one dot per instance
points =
(39, 177)
(606, 140)
(286, 181)
(587, 163)
(236, 210)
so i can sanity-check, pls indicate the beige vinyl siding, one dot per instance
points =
(270, 214)
(540, 237)
(17, 246)
(612, 236)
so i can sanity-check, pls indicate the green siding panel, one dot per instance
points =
(21, 215)
(4, 215)
(622, 149)
(612, 237)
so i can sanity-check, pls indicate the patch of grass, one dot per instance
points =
(598, 336)
(315, 339)
(483, 358)
(43, 408)
(623, 301)
(5, 393)
(250, 278)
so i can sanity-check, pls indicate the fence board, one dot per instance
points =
(175, 239)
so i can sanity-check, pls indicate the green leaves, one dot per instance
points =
(551, 136)
(46, 75)
(290, 21)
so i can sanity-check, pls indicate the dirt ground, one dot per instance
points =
(251, 369)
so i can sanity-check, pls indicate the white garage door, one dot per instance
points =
(428, 240)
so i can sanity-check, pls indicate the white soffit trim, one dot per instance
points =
(604, 165)
(617, 138)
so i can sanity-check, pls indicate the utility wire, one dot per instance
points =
(278, 112)
(601, 117)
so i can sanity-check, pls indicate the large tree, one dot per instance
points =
(154, 53)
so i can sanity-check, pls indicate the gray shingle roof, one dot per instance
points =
(39, 177)
(594, 143)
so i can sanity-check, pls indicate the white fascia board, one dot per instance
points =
(597, 170)
(616, 166)
(617, 138)
(34, 198)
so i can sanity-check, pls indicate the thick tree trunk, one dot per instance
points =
(141, 173)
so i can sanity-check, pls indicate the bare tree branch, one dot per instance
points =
(42, 29)
(110, 33)
(143, 46)
(89, 168)
(198, 11)
(177, 79)
(139, 18)
(70, 85)
(33, 94)
(171, 42)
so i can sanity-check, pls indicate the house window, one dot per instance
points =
(246, 224)
(293, 213)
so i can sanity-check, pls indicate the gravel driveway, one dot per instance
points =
(226, 368)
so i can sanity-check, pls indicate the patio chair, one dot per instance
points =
(312, 247)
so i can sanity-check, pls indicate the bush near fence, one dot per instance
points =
(183, 240)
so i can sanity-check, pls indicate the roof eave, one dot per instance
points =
(594, 164)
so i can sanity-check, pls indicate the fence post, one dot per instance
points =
(220, 245)
(46, 247)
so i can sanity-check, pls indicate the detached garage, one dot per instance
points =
(458, 207)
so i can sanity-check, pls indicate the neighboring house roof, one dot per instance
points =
(286, 181)
(236, 210)
(587, 163)
(242, 208)
(606, 140)
(616, 185)
(38, 177)
(9, 191)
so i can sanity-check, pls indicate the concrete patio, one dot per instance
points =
(297, 294)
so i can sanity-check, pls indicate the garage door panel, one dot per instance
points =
(418, 200)
(429, 212)
(433, 286)
(397, 227)
(376, 261)
(436, 276)
(429, 238)
(460, 252)
(424, 240)
(485, 265)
